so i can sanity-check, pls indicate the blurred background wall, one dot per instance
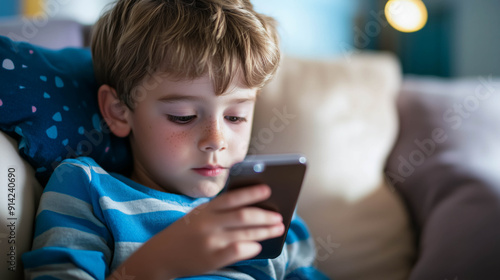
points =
(461, 37)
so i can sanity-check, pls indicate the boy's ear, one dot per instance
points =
(114, 112)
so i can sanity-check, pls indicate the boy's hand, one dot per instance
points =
(221, 232)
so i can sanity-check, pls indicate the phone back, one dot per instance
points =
(284, 174)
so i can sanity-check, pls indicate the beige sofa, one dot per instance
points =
(343, 115)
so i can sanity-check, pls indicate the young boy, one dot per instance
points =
(179, 79)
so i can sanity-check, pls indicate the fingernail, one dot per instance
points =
(279, 229)
(266, 190)
(277, 217)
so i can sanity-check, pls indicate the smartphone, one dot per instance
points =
(284, 174)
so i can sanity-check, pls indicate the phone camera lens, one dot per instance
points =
(259, 167)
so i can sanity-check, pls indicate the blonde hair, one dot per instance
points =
(185, 39)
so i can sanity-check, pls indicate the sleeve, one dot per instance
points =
(301, 252)
(70, 239)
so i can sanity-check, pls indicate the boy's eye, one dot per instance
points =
(234, 119)
(181, 119)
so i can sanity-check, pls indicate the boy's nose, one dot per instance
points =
(212, 139)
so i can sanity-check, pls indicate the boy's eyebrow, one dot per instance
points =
(243, 100)
(179, 98)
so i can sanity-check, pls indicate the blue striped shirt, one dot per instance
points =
(89, 221)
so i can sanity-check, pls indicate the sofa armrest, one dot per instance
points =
(19, 195)
(446, 166)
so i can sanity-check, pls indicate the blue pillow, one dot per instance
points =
(48, 103)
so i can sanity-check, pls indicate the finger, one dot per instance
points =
(241, 197)
(238, 251)
(255, 234)
(248, 217)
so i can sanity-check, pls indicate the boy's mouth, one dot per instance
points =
(210, 170)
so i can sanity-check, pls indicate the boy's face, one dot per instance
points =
(184, 138)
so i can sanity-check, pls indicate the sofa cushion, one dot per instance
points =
(48, 102)
(342, 115)
(446, 165)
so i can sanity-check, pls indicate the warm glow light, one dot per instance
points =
(406, 15)
(32, 7)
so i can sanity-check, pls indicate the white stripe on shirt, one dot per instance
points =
(66, 271)
(73, 239)
(141, 206)
(68, 205)
(123, 250)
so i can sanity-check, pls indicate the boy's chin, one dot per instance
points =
(205, 190)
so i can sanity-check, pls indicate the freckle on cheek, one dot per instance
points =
(176, 139)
